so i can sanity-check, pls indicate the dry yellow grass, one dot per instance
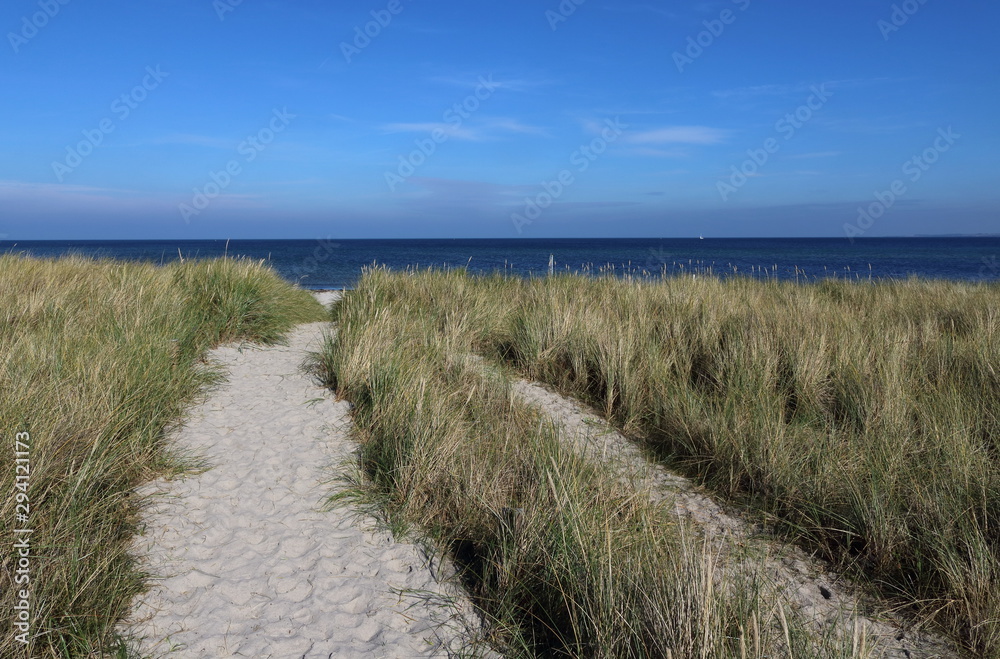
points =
(97, 359)
(564, 558)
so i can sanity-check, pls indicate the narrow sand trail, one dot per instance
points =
(246, 562)
(807, 585)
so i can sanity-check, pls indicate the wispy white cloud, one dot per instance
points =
(582, 205)
(798, 88)
(817, 154)
(678, 135)
(65, 197)
(758, 90)
(515, 126)
(612, 111)
(26, 189)
(27, 198)
(312, 181)
(449, 194)
(439, 195)
(522, 84)
(451, 130)
(658, 153)
(487, 128)
(193, 139)
(872, 125)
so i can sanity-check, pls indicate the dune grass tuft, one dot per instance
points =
(97, 360)
(863, 418)
(563, 557)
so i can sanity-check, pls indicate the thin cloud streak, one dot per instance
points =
(486, 129)
(678, 135)
(451, 130)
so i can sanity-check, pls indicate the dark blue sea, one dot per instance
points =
(338, 263)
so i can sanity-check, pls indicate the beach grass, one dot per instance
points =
(98, 359)
(863, 419)
(562, 555)
(859, 419)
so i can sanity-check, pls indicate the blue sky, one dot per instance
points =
(411, 118)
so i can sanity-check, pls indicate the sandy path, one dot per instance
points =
(806, 584)
(249, 565)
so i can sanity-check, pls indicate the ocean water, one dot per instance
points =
(331, 263)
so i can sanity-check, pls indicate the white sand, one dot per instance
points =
(249, 565)
(326, 298)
